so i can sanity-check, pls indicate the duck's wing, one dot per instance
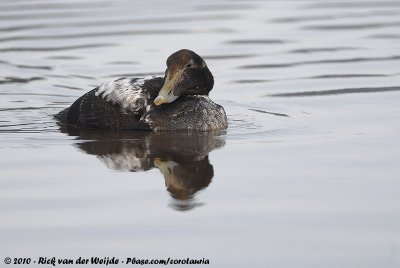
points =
(126, 94)
(118, 104)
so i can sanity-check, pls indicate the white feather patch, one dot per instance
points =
(125, 92)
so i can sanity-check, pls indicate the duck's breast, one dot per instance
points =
(197, 113)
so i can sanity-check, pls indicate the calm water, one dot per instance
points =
(307, 174)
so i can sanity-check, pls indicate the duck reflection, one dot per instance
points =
(182, 158)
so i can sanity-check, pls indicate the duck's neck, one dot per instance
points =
(203, 88)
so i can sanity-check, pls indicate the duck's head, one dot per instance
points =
(186, 74)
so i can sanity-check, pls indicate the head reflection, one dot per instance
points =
(182, 158)
(183, 180)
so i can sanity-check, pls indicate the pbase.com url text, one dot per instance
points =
(105, 261)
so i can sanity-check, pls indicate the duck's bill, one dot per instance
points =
(166, 94)
(164, 97)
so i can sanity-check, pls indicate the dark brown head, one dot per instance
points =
(186, 74)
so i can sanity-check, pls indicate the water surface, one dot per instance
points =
(307, 175)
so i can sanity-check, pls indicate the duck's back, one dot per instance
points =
(116, 104)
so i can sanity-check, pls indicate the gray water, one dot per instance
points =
(307, 175)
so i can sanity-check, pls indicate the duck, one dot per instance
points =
(178, 101)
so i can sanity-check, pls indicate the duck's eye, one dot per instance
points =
(189, 65)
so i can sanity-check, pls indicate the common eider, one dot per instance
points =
(177, 101)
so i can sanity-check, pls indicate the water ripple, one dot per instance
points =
(56, 48)
(351, 27)
(385, 36)
(327, 61)
(68, 87)
(337, 91)
(219, 57)
(265, 112)
(321, 49)
(91, 34)
(256, 42)
(51, 6)
(339, 16)
(24, 66)
(355, 5)
(119, 22)
(324, 76)
(19, 80)
(32, 94)
(223, 7)
(41, 16)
